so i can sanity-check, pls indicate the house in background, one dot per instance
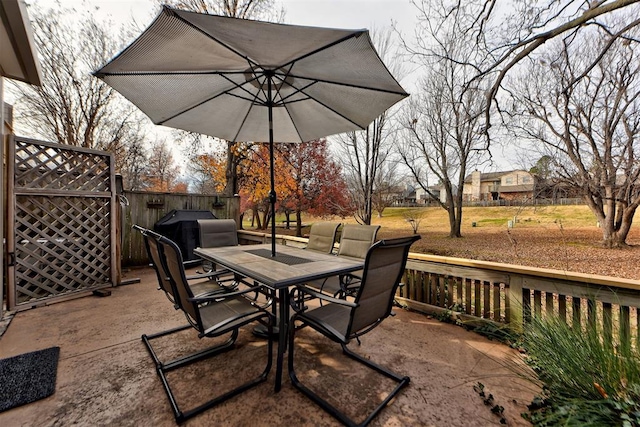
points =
(508, 185)
(435, 195)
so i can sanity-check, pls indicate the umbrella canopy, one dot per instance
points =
(244, 80)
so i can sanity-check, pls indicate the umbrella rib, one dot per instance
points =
(168, 73)
(245, 116)
(332, 82)
(225, 92)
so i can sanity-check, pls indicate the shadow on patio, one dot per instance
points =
(106, 377)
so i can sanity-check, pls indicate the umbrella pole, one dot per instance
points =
(272, 193)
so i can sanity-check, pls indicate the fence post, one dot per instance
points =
(514, 303)
(233, 209)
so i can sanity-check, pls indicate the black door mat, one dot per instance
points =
(28, 377)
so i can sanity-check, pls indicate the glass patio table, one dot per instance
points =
(291, 266)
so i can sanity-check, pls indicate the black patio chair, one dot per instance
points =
(199, 283)
(211, 315)
(215, 233)
(355, 242)
(344, 320)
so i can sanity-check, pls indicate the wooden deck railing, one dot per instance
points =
(479, 291)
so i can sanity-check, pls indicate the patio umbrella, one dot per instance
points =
(244, 80)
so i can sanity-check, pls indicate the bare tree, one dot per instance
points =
(134, 167)
(527, 26)
(361, 156)
(162, 173)
(414, 217)
(363, 153)
(245, 9)
(443, 134)
(387, 186)
(72, 107)
(582, 102)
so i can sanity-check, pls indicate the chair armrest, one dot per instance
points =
(325, 297)
(209, 275)
(221, 296)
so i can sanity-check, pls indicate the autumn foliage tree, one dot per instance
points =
(256, 184)
(314, 183)
(208, 172)
(307, 180)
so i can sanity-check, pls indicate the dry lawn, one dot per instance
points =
(559, 237)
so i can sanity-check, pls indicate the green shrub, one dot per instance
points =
(586, 382)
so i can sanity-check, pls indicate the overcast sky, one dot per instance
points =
(354, 14)
(351, 14)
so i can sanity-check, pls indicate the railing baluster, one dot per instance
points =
(441, 291)
(433, 289)
(537, 303)
(548, 303)
(477, 296)
(411, 289)
(467, 301)
(562, 307)
(526, 305)
(497, 314)
(417, 284)
(575, 306)
(625, 327)
(459, 282)
(637, 328)
(486, 306)
(607, 323)
(591, 313)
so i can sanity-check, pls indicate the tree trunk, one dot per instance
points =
(615, 222)
(287, 215)
(267, 215)
(256, 215)
(231, 173)
(454, 223)
(298, 223)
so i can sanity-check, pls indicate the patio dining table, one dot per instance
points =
(289, 267)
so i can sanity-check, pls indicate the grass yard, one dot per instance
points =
(560, 237)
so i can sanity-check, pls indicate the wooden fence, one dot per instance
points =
(146, 208)
(476, 292)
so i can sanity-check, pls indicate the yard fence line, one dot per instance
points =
(475, 292)
(145, 208)
(503, 202)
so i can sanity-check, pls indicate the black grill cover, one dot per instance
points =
(181, 226)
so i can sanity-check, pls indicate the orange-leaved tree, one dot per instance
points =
(313, 182)
(256, 182)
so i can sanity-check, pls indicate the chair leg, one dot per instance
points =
(332, 410)
(190, 358)
(163, 368)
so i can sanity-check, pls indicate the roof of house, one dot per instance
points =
(520, 188)
(492, 176)
(19, 61)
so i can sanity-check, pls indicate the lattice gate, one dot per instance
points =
(61, 235)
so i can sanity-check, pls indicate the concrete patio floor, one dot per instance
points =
(106, 377)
